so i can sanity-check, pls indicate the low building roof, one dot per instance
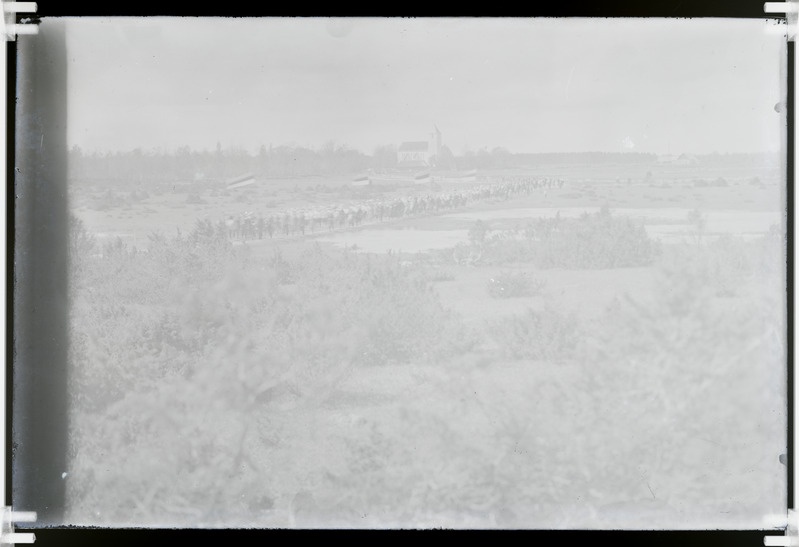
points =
(415, 146)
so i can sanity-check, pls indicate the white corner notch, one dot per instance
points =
(11, 28)
(790, 523)
(791, 11)
(7, 534)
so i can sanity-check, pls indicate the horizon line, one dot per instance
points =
(255, 152)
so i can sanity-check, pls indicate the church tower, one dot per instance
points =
(435, 142)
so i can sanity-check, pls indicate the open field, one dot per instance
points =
(134, 209)
(555, 360)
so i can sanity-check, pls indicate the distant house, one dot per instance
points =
(414, 154)
(420, 153)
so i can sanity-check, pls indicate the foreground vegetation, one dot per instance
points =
(213, 386)
(592, 241)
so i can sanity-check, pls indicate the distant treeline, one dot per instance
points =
(586, 158)
(285, 161)
(185, 164)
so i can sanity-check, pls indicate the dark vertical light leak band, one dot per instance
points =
(40, 343)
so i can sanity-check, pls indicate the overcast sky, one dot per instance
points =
(530, 85)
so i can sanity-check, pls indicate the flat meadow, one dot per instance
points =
(530, 371)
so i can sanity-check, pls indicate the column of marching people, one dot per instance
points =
(298, 222)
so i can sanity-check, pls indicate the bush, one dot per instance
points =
(190, 361)
(478, 232)
(547, 334)
(596, 241)
(722, 268)
(593, 241)
(439, 275)
(402, 316)
(514, 284)
(692, 362)
(81, 244)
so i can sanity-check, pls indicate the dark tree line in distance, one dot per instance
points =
(286, 161)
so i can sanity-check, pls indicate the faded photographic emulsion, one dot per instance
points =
(401, 273)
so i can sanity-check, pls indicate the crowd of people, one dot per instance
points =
(251, 226)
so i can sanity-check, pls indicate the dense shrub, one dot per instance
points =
(726, 266)
(478, 232)
(508, 284)
(81, 245)
(592, 241)
(187, 359)
(546, 335)
(596, 241)
(700, 369)
(201, 375)
(438, 275)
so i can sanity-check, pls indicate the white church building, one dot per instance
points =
(418, 154)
